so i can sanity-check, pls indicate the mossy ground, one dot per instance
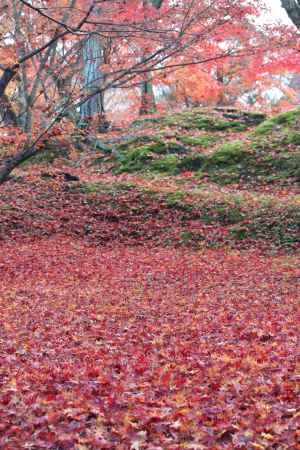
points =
(238, 218)
(197, 179)
(149, 310)
(269, 154)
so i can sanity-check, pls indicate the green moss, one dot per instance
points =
(220, 125)
(265, 127)
(154, 195)
(98, 161)
(105, 188)
(228, 214)
(156, 147)
(176, 119)
(147, 121)
(175, 200)
(189, 237)
(47, 156)
(292, 138)
(137, 141)
(227, 155)
(287, 118)
(134, 161)
(175, 147)
(191, 163)
(6, 208)
(202, 141)
(92, 188)
(264, 219)
(288, 166)
(230, 163)
(277, 224)
(239, 232)
(265, 158)
(255, 115)
(167, 164)
(226, 177)
(201, 121)
(225, 212)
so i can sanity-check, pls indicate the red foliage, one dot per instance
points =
(155, 349)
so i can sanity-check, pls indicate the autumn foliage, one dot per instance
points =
(138, 348)
(132, 317)
(196, 52)
(149, 269)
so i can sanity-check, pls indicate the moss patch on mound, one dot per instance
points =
(269, 155)
(200, 121)
(288, 119)
(242, 218)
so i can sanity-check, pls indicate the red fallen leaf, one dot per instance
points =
(6, 398)
(226, 436)
(13, 446)
(166, 378)
(140, 366)
(47, 436)
(14, 430)
(94, 372)
(53, 417)
(30, 400)
(11, 350)
(101, 443)
(178, 314)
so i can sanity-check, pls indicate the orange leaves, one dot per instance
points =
(196, 84)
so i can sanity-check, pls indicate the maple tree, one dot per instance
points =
(263, 53)
(42, 86)
(149, 278)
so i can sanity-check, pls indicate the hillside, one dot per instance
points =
(149, 293)
(216, 176)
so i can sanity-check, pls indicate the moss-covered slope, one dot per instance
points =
(210, 147)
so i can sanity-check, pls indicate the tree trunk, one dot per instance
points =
(10, 163)
(292, 7)
(92, 59)
(148, 104)
(7, 114)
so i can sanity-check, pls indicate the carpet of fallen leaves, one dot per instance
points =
(138, 214)
(137, 348)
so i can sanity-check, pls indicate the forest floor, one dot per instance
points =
(149, 290)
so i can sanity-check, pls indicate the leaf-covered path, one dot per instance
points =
(137, 348)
